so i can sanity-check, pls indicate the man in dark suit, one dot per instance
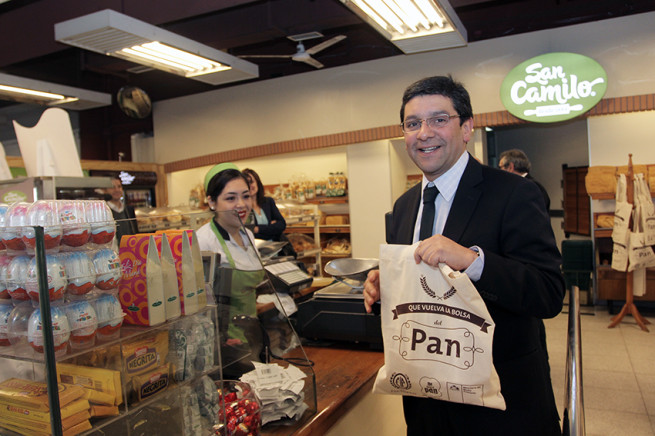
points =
(517, 162)
(493, 226)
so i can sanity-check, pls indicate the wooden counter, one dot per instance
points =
(343, 376)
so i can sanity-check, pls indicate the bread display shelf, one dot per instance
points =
(150, 228)
(327, 200)
(322, 224)
(301, 219)
(163, 218)
(308, 253)
(603, 233)
(323, 229)
(600, 181)
(336, 255)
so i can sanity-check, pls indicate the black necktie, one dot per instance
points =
(427, 218)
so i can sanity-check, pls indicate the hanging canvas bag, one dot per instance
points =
(647, 209)
(637, 241)
(640, 255)
(621, 230)
(437, 333)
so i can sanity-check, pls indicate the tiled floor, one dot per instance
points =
(618, 367)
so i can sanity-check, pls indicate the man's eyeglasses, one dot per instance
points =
(435, 122)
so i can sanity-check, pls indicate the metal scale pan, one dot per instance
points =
(349, 275)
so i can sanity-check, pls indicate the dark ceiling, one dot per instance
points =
(245, 27)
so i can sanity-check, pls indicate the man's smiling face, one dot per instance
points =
(435, 150)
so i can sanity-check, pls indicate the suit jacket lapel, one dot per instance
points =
(406, 232)
(465, 201)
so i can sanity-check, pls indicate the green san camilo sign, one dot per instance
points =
(553, 87)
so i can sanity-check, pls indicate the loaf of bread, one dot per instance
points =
(605, 221)
(601, 180)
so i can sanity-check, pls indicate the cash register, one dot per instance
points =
(336, 312)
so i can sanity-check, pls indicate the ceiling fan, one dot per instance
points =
(302, 54)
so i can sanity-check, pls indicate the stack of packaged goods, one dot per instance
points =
(24, 408)
(83, 275)
(102, 387)
(163, 276)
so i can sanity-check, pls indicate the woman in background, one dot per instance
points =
(268, 223)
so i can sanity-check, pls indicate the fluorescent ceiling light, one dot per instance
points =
(413, 25)
(24, 90)
(111, 33)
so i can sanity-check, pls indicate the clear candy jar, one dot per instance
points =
(240, 410)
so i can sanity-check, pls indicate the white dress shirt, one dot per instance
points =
(447, 185)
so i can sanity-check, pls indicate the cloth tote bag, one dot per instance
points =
(640, 254)
(437, 333)
(621, 230)
(647, 208)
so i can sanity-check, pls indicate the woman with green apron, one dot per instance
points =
(240, 271)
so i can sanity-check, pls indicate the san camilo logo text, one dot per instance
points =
(553, 87)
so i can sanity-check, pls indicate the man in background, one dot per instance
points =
(123, 214)
(517, 162)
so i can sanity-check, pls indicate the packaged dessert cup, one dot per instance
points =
(103, 226)
(57, 280)
(17, 278)
(108, 269)
(17, 323)
(12, 232)
(76, 231)
(110, 317)
(5, 310)
(44, 213)
(83, 323)
(4, 265)
(80, 271)
(60, 331)
(3, 214)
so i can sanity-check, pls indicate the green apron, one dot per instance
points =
(242, 284)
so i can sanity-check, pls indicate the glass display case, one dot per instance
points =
(166, 378)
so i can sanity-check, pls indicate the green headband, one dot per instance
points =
(217, 169)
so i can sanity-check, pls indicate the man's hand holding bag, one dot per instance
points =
(437, 333)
